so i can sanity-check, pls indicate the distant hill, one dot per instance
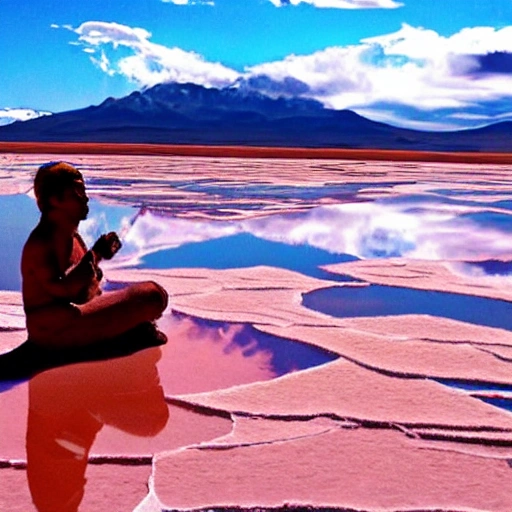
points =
(191, 114)
(10, 115)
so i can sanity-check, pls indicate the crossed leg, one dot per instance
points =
(104, 317)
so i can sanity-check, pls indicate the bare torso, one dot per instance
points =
(48, 257)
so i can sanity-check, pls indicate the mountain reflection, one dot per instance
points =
(68, 406)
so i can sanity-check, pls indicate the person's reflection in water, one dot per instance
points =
(68, 406)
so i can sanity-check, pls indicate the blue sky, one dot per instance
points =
(437, 64)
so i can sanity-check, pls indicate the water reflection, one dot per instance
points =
(19, 215)
(244, 250)
(68, 407)
(380, 300)
(222, 190)
(204, 355)
(487, 267)
(492, 393)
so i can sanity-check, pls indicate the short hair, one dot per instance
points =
(51, 180)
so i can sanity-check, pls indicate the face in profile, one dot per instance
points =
(74, 201)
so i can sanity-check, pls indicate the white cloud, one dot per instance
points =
(342, 4)
(414, 68)
(149, 63)
(10, 115)
(413, 77)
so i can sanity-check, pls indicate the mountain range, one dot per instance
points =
(173, 113)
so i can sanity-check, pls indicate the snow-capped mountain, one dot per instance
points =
(175, 113)
(11, 115)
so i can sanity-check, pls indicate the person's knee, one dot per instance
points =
(158, 297)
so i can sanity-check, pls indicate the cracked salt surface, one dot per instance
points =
(118, 407)
(368, 430)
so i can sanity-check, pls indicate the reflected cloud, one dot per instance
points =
(420, 227)
(69, 406)
(206, 355)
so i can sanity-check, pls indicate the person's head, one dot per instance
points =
(57, 184)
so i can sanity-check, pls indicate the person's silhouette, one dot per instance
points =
(62, 298)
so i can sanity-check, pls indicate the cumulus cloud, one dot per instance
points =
(413, 68)
(288, 86)
(10, 115)
(148, 63)
(342, 4)
(413, 77)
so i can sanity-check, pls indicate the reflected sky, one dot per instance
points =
(501, 398)
(19, 216)
(488, 267)
(223, 189)
(406, 227)
(379, 300)
(202, 355)
(246, 250)
(120, 404)
(415, 226)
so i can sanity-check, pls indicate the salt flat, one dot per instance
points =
(400, 412)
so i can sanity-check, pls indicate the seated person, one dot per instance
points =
(62, 298)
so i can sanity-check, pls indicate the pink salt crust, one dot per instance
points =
(409, 345)
(348, 391)
(358, 469)
(412, 357)
(423, 275)
(354, 433)
(108, 488)
(308, 407)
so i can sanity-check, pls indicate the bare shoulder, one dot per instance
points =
(38, 246)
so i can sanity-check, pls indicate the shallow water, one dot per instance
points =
(125, 407)
(242, 191)
(19, 215)
(227, 354)
(379, 300)
(119, 407)
(246, 250)
(431, 224)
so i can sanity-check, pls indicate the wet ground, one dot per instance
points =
(338, 337)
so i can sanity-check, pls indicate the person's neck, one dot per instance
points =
(58, 223)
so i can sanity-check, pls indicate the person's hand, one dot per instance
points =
(107, 245)
(84, 279)
(85, 271)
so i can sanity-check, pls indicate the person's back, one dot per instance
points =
(37, 247)
(63, 302)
